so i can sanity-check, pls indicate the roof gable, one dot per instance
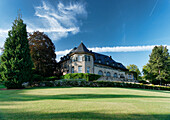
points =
(81, 48)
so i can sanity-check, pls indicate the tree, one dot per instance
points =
(16, 64)
(42, 53)
(158, 67)
(134, 68)
(147, 74)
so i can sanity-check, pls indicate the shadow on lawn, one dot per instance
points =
(17, 95)
(85, 116)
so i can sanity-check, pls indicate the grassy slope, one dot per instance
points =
(84, 104)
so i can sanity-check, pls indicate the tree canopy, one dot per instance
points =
(157, 70)
(16, 64)
(42, 53)
(134, 68)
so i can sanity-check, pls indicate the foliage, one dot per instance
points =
(2, 86)
(86, 76)
(42, 53)
(157, 70)
(84, 83)
(52, 78)
(37, 78)
(16, 64)
(143, 81)
(134, 68)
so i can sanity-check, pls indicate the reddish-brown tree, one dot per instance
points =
(42, 53)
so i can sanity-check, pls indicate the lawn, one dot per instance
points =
(84, 104)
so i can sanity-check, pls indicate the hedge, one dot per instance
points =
(84, 83)
(86, 76)
(52, 78)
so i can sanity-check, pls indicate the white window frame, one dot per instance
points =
(79, 69)
(80, 58)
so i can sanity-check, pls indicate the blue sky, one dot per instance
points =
(125, 29)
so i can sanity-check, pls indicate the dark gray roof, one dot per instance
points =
(107, 60)
(81, 48)
(73, 50)
(98, 58)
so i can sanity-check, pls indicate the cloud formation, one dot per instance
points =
(61, 20)
(3, 35)
(116, 49)
(58, 20)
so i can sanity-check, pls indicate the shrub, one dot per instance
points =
(143, 81)
(86, 76)
(12, 85)
(84, 83)
(37, 78)
(52, 78)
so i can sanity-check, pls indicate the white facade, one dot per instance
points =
(87, 62)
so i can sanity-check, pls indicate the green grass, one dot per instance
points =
(84, 104)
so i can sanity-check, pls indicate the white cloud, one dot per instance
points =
(60, 21)
(116, 49)
(3, 35)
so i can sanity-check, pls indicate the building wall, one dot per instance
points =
(66, 67)
(90, 64)
(106, 69)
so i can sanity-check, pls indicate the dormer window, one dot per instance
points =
(100, 61)
(107, 63)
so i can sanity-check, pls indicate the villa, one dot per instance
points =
(82, 60)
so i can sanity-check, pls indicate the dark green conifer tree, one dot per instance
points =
(16, 61)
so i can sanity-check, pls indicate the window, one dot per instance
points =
(88, 69)
(79, 58)
(115, 75)
(75, 59)
(122, 76)
(88, 58)
(72, 70)
(107, 63)
(99, 61)
(79, 69)
(108, 74)
(130, 76)
(100, 72)
(85, 57)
